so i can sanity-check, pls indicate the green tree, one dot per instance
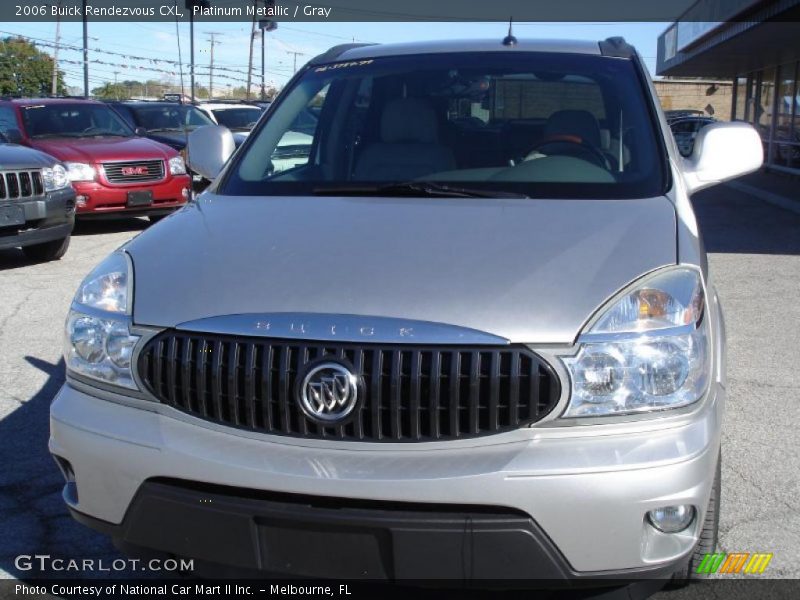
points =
(111, 91)
(25, 70)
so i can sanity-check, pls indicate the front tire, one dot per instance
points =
(47, 251)
(707, 544)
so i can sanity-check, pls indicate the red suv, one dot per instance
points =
(113, 170)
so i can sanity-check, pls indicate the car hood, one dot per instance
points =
(239, 137)
(524, 270)
(13, 156)
(94, 150)
(174, 139)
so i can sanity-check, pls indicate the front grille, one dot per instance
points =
(20, 184)
(134, 171)
(410, 393)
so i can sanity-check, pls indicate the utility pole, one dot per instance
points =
(250, 58)
(190, 5)
(85, 53)
(265, 25)
(263, 61)
(191, 51)
(211, 39)
(54, 86)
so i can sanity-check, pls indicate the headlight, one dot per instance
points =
(98, 343)
(55, 178)
(647, 351)
(77, 171)
(177, 166)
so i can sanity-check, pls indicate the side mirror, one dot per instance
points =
(140, 131)
(209, 149)
(722, 151)
(13, 136)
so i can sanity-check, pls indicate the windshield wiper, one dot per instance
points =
(411, 189)
(164, 129)
(105, 134)
(56, 135)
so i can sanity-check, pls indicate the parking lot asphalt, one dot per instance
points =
(755, 261)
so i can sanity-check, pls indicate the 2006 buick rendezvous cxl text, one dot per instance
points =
(471, 335)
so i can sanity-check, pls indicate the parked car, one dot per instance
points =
(114, 172)
(165, 122)
(293, 148)
(240, 118)
(685, 130)
(682, 113)
(428, 341)
(37, 203)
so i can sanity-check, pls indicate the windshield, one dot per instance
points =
(237, 118)
(173, 117)
(73, 120)
(535, 124)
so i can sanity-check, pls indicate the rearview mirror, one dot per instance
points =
(722, 151)
(209, 149)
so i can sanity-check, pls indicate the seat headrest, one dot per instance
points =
(409, 120)
(580, 123)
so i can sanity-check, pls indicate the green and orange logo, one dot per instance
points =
(735, 563)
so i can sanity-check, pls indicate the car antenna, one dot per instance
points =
(510, 40)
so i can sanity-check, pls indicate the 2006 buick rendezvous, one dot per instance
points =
(473, 335)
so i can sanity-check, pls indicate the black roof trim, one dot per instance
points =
(617, 47)
(334, 53)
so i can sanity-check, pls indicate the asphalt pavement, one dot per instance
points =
(754, 252)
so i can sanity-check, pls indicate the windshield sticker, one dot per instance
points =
(343, 65)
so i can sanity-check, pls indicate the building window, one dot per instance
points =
(750, 98)
(740, 99)
(785, 149)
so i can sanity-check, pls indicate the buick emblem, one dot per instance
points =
(328, 392)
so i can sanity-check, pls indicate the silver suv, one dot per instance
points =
(472, 334)
(37, 203)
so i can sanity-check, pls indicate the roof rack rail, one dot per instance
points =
(334, 53)
(225, 101)
(617, 47)
(43, 97)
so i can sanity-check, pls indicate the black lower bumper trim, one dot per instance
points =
(126, 213)
(307, 536)
(37, 236)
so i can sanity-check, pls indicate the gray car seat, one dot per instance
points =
(409, 146)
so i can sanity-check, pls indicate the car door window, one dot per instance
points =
(294, 148)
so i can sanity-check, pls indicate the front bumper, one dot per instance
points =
(96, 198)
(572, 499)
(47, 218)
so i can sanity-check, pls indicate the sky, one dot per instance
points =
(290, 46)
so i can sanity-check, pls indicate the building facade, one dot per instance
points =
(754, 44)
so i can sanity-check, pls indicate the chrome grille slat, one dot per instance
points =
(21, 184)
(409, 393)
